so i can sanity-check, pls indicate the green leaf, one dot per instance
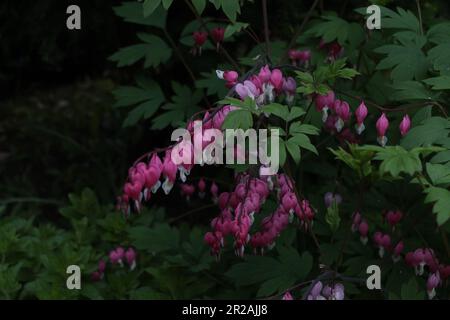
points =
(410, 90)
(408, 62)
(150, 6)
(438, 56)
(404, 19)
(277, 109)
(439, 83)
(199, 5)
(212, 84)
(295, 113)
(233, 28)
(274, 275)
(410, 290)
(439, 174)
(396, 160)
(238, 119)
(149, 96)
(332, 216)
(281, 151)
(303, 141)
(154, 50)
(167, 4)
(441, 199)
(231, 8)
(132, 12)
(157, 239)
(183, 105)
(333, 28)
(427, 133)
(297, 127)
(293, 150)
(439, 33)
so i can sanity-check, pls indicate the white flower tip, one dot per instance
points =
(219, 74)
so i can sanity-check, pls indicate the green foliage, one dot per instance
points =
(273, 275)
(154, 51)
(148, 96)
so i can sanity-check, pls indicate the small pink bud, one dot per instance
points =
(130, 256)
(382, 125)
(361, 114)
(405, 125)
(287, 296)
(398, 248)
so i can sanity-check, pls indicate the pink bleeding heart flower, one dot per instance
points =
(342, 110)
(199, 37)
(214, 191)
(405, 125)
(432, 283)
(363, 229)
(382, 125)
(230, 76)
(218, 34)
(360, 114)
(130, 256)
(397, 251)
(276, 79)
(324, 103)
(169, 172)
(187, 190)
(201, 188)
(394, 217)
(264, 74)
(289, 88)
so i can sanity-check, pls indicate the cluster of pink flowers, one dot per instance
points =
(334, 49)
(419, 259)
(327, 292)
(360, 224)
(145, 178)
(300, 57)
(239, 207)
(188, 190)
(217, 34)
(321, 292)
(263, 87)
(437, 273)
(100, 273)
(116, 256)
(336, 115)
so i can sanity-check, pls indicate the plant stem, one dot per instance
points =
(183, 61)
(419, 12)
(266, 27)
(299, 31)
(203, 26)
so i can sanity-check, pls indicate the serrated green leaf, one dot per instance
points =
(154, 50)
(304, 142)
(441, 199)
(133, 12)
(408, 62)
(238, 119)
